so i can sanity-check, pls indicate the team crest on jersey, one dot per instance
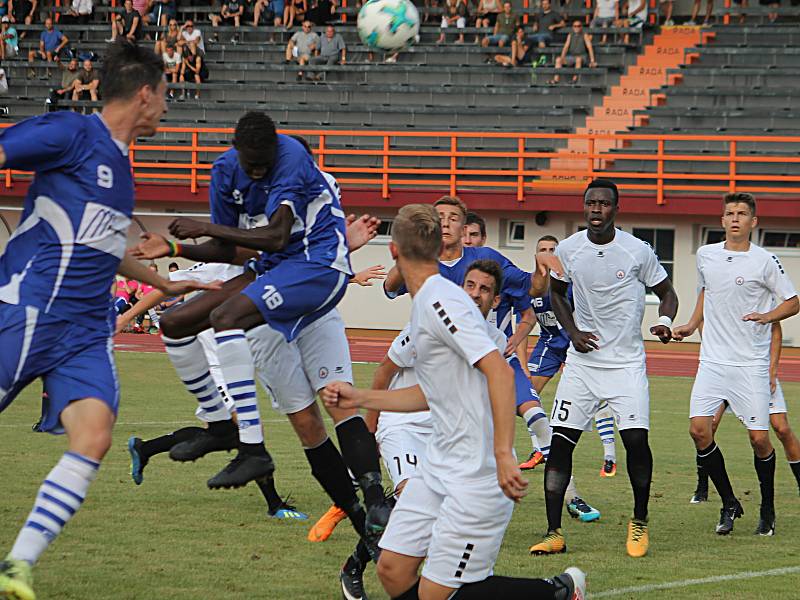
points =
(740, 281)
(620, 274)
(729, 259)
(323, 373)
(600, 253)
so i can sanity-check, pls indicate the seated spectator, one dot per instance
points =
(172, 66)
(455, 14)
(546, 24)
(189, 34)
(520, 54)
(637, 16)
(576, 50)
(331, 50)
(272, 11)
(51, 43)
(3, 85)
(68, 78)
(142, 6)
(696, 11)
(606, 14)
(79, 13)
(22, 12)
(85, 87)
(161, 13)
(321, 12)
(486, 14)
(10, 46)
(128, 24)
(193, 68)
(504, 28)
(302, 45)
(3, 8)
(295, 9)
(230, 14)
(171, 35)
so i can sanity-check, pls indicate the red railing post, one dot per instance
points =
(660, 173)
(525, 7)
(194, 162)
(344, 14)
(520, 169)
(9, 181)
(732, 168)
(453, 164)
(385, 178)
(591, 157)
(321, 152)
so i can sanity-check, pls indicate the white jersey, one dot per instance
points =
(206, 273)
(450, 336)
(738, 283)
(608, 287)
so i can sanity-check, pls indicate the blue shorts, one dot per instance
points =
(294, 294)
(546, 361)
(276, 8)
(74, 362)
(522, 385)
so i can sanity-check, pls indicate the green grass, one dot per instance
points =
(172, 538)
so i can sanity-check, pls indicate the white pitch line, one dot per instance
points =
(689, 582)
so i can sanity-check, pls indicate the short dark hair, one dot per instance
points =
(173, 264)
(603, 184)
(547, 238)
(127, 68)
(475, 218)
(255, 135)
(741, 197)
(303, 141)
(491, 268)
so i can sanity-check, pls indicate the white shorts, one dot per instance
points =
(777, 403)
(745, 388)
(460, 533)
(583, 389)
(461, 23)
(325, 351)
(209, 344)
(403, 450)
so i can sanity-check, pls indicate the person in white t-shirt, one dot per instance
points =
(738, 283)
(172, 65)
(606, 14)
(454, 513)
(609, 270)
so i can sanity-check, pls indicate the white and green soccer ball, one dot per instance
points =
(388, 24)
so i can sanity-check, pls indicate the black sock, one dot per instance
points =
(795, 467)
(222, 428)
(765, 469)
(329, 469)
(702, 477)
(557, 472)
(639, 460)
(359, 559)
(253, 449)
(507, 588)
(714, 464)
(164, 443)
(267, 487)
(360, 453)
(410, 594)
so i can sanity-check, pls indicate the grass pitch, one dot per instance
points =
(172, 538)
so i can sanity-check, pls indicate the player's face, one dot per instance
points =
(599, 210)
(480, 287)
(154, 106)
(546, 247)
(472, 235)
(252, 163)
(738, 221)
(452, 221)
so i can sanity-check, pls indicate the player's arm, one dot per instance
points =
(132, 269)
(393, 282)
(775, 347)
(151, 300)
(344, 395)
(667, 310)
(778, 283)
(500, 381)
(695, 321)
(582, 341)
(155, 245)
(381, 379)
(360, 230)
(784, 310)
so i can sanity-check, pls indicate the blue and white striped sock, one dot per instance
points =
(604, 421)
(59, 497)
(189, 359)
(238, 369)
(539, 429)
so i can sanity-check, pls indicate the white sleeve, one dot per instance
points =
(401, 352)
(701, 280)
(460, 327)
(777, 281)
(562, 256)
(651, 273)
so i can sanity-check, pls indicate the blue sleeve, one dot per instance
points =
(288, 182)
(44, 143)
(392, 295)
(521, 303)
(515, 280)
(219, 194)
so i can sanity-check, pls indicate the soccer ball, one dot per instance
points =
(388, 24)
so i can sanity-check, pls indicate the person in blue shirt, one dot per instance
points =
(51, 43)
(55, 280)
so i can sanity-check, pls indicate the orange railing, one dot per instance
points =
(184, 163)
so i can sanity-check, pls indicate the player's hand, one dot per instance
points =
(361, 230)
(662, 332)
(509, 477)
(364, 278)
(340, 394)
(584, 342)
(546, 262)
(184, 228)
(153, 245)
(681, 332)
(178, 288)
(760, 318)
(122, 323)
(773, 382)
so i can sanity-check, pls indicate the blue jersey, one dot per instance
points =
(64, 254)
(551, 333)
(318, 233)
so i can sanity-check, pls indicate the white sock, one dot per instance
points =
(239, 371)
(189, 359)
(539, 429)
(572, 491)
(59, 497)
(604, 421)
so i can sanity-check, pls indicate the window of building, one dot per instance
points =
(513, 233)
(780, 239)
(663, 242)
(712, 235)
(384, 235)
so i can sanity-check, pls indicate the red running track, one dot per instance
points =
(370, 349)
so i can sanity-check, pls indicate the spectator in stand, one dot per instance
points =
(272, 11)
(123, 292)
(79, 13)
(455, 15)
(189, 34)
(487, 13)
(68, 78)
(142, 7)
(171, 35)
(637, 16)
(606, 14)
(332, 50)
(545, 26)
(3, 86)
(87, 84)
(577, 49)
(128, 24)
(162, 12)
(3, 8)
(302, 45)
(230, 14)
(10, 46)
(172, 66)
(520, 51)
(51, 43)
(321, 12)
(22, 12)
(193, 68)
(504, 28)
(709, 10)
(295, 9)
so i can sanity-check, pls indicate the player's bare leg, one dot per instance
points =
(788, 438)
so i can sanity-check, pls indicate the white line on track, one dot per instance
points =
(641, 589)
